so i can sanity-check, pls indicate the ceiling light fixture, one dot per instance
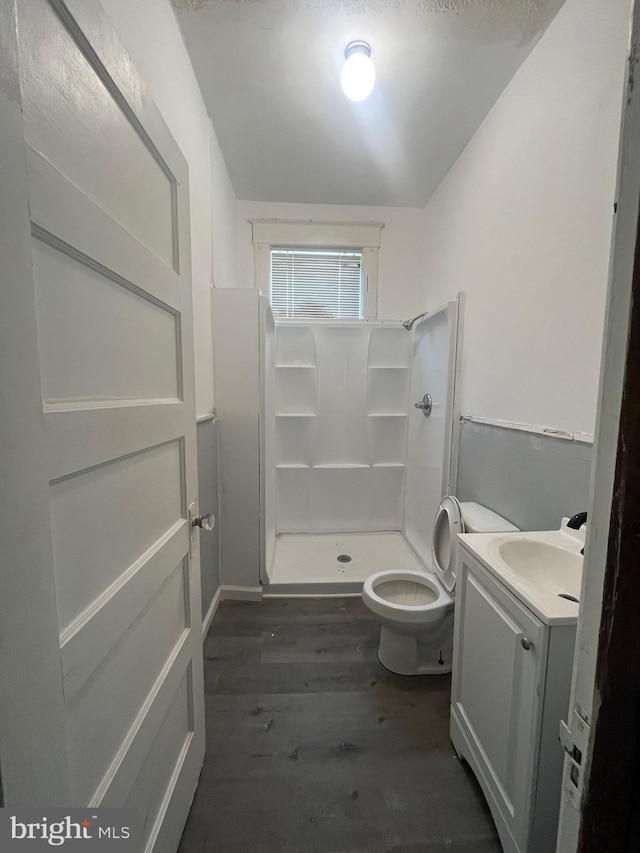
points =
(358, 74)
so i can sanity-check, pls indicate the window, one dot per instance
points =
(316, 284)
(288, 260)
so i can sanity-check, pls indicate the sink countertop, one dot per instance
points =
(546, 605)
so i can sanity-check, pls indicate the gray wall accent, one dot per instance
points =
(207, 435)
(532, 480)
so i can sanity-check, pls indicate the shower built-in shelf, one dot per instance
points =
(388, 367)
(387, 415)
(296, 366)
(328, 466)
(342, 465)
(296, 415)
(293, 465)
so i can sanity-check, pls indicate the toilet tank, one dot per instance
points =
(479, 519)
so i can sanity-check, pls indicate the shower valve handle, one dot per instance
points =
(425, 405)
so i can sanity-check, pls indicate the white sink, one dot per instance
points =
(542, 568)
(548, 567)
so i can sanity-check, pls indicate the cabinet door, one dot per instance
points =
(497, 690)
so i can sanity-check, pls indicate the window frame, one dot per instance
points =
(268, 234)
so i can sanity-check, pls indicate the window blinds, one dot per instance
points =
(316, 284)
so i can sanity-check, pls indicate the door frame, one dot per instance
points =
(610, 813)
(602, 812)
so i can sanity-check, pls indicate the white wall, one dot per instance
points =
(149, 31)
(223, 219)
(398, 259)
(522, 223)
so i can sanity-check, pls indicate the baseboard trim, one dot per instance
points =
(241, 593)
(211, 612)
(327, 589)
(315, 595)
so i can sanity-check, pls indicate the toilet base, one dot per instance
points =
(409, 654)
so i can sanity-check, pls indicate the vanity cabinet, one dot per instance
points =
(510, 689)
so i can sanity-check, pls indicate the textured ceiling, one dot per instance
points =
(269, 73)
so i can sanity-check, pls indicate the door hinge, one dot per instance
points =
(575, 742)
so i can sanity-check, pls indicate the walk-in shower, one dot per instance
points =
(352, 472)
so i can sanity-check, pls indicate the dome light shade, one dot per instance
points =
(358, 74)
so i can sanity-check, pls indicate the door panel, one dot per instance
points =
(90, 330)
(86, 642)
(104, 519)
(86, 135)
(84, 229)
(103, 425)
(95, 722)
(154, 778)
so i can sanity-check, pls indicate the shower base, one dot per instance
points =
(307, 563)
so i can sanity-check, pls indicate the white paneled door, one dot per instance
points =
(101, 688)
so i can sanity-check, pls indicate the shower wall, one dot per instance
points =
(433, 358)
(339, 443)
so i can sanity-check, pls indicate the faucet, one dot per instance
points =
(576, 521)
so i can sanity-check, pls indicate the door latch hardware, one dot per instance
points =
(198, 522)
(574, 741)
(193, 536)
(204, 522)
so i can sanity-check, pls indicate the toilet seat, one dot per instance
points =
(446, 526)
(404, 585)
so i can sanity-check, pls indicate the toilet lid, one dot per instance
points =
(447, 524)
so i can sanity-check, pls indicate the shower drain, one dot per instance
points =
(344, 558)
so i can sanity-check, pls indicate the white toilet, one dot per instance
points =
(415, 608)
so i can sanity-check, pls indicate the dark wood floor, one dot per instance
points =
(313, 747)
